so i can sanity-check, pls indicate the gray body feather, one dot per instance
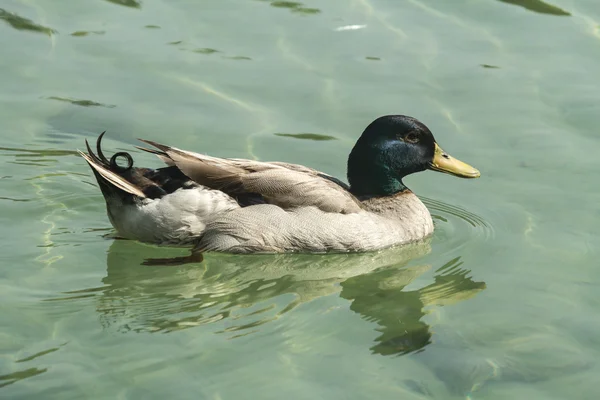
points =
(269, 228)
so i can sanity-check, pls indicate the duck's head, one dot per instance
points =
(392, 147)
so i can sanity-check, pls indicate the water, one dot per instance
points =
(501, 303)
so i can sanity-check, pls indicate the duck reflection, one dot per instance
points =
(381, 296)
(252, 290)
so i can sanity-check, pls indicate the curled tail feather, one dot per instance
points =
(106, 171)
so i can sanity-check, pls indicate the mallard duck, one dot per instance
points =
(245, 206)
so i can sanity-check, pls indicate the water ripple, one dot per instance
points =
(457, 227)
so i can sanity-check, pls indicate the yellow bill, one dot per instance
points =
(443, 162)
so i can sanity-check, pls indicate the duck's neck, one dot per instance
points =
(370, 174)
(376, 185)
(404, 207)
(388, 203)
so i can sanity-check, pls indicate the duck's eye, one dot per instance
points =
(412, 137)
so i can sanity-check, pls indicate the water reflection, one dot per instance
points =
(82, 103)
(87, 33)
(306, 136)
(23, 24)
(538, 6)
(295, 7)
(127, 3)
(14, 377)
(205, 50)
(225, 286)
(253, 290)
(380, 296)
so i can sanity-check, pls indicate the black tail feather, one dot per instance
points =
(93, 156)
(112, 178)
(128, 182)
(99, 149)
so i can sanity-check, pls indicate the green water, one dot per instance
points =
(501, 304)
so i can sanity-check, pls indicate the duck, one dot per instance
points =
(242, 206)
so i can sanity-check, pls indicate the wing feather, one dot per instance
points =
(285, 185)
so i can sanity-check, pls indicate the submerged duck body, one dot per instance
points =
(246, 206)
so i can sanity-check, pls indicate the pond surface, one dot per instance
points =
(502, 303)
